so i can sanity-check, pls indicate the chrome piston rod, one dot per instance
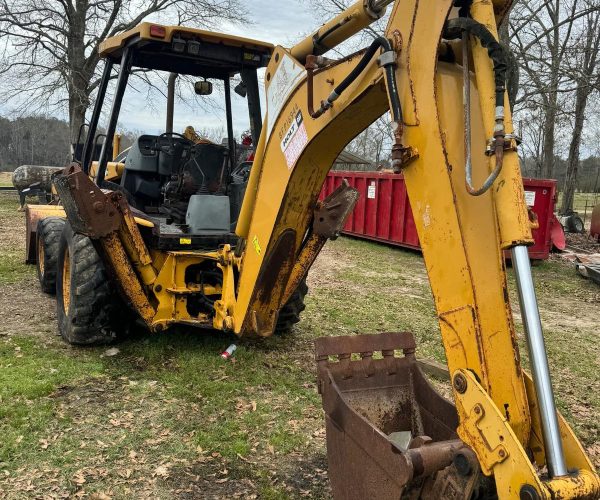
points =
(555, 459)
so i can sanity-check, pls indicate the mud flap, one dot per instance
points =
(32, 215)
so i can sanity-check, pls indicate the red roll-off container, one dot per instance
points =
(383, 211)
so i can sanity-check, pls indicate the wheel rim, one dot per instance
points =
(40, 252)
(66, 281)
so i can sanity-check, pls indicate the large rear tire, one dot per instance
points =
(48, 234)
(87, 305)
(290, 312)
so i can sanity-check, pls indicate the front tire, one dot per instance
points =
(290, 312)
(48, 234)
(87, 306)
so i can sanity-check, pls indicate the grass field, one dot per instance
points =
(580, 200)
(166, 417)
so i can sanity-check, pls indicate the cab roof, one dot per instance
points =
(187, 51)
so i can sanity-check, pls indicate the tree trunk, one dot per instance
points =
(566, 205)
(548, 146)
(556, 56)
(76, 117)
(79, 76)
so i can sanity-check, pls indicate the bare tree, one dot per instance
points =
(374, 142)
(584, 68)
(49, 52)
(541, 34)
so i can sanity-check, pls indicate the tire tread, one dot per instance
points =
(289, 314)
(94, 305)
(50, 230)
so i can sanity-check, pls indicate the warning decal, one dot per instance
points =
(294, 140)
(371, 190)
(287, 76)
(256, 245)
(530, 198)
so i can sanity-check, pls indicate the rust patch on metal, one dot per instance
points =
(124, 275)
(271, 282)
(329, 218)
(402, 155)
(331, 214)
(88, 208)
(408, 70)
(132, 232)
(282, 253)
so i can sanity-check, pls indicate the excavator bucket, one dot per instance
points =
(389, 433)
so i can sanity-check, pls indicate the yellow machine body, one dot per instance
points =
(462, 236)
(111, 47)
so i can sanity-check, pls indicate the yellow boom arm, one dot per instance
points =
(462, 236)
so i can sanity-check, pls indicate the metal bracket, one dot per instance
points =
(89, 210)
(487, 432)
(402, 156)
(511, 143)
(476, 428)
(331, 213)
(223, 319)
(387, 58)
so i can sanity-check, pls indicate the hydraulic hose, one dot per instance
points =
(462, 27)
(362, 64)
(388, 64)
(454, 29)
(350, 21)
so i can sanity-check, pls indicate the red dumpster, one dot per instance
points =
(383, 211)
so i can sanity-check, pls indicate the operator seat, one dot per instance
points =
(141, 176)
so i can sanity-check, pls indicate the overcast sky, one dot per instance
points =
(279, 22)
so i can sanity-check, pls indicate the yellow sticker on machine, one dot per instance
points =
(256, 244)
(185, 241)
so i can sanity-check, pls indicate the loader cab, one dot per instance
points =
(191, 188)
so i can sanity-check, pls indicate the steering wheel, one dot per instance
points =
(170, 147)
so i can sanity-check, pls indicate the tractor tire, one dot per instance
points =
(290, 312)
(48, 234)
(576, 224)
(87, 306)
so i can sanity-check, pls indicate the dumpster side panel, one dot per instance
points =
(383, 211)
(540, 195)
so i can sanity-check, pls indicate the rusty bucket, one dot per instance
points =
(389, 433)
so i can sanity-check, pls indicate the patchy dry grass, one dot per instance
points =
(166, 417)
(6, 179)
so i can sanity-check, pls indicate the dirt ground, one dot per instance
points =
(163, 416)
(583, 242)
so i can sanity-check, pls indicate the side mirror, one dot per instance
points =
(240, 89)
(203, 87)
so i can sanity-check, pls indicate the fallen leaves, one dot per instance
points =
(99, 495)
(125, 473)
(243, 406)
(162, 471)
(113, 351)
(79, 478)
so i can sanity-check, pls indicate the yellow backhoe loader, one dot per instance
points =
(195, 233)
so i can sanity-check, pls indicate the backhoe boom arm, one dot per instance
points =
(462, 236)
